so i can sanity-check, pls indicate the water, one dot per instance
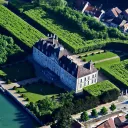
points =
(13, 116)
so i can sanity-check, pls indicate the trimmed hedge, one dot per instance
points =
(18, 28)
(74, 40)
(99, 88)
(118, 73)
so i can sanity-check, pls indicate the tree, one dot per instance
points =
(94, 113)
(63, 118)
(113, 107)
(61, 3)
(66, 98)
(103, 111)
(126, 116)
(84, 116)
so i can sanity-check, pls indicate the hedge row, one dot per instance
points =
(18, 28)
(99, 88)
(74, 42)
(118, 73)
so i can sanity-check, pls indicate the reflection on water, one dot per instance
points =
(13, 116)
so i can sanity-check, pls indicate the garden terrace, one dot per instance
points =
(107, 63)
(85, 32)
(39, 90)
(17, 72)
(73, 39)
(18, 28)
(118, 73)
(98, 56)
(99, 88)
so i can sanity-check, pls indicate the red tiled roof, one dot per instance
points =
(122, 118)
(107, 124)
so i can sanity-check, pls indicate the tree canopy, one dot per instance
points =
(7, 48)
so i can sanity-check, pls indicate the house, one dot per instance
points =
(107, 124)
(89, 9)
(50, 54)
(124, 28)
(125, 14)
(121, 122)
(117, 22)
(114, 12)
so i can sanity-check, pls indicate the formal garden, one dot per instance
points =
(17, 72)
(98, 56)
(21, 31)
(118, 73)
(87, 35)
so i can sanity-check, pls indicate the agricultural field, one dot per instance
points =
(99, 88)
(20, 29)
(118, 72)
(78, 41)
(18, 72)
(50, 23)
(98, 56)
(39, 91)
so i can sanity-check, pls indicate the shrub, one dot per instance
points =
(8, 81)
(104, 111)
(27, 99)
(14, 88)
(22, 95)
(18, 91)
(84, 116)
(94, 113)
(113, 107)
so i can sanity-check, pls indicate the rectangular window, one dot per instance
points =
(92, 81)
(80, 85)
(81, 81)
(88, 77)
(95, 75)
(85, 79)
(88, 82)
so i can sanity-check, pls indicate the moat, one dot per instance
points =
(13, 116)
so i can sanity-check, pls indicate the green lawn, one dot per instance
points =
(107, 63)
(38, 91)
(97, 57)
(18, 72)
(2, 1)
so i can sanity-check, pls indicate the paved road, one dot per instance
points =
(120, 103)
(9, 87)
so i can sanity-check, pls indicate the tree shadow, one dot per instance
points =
(43, 89)
(24, 120)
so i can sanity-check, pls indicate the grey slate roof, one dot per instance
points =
(49, 48)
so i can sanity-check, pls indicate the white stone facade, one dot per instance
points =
(68, 79)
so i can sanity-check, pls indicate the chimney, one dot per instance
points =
(48, 35)
(54, 36)
(57, 38)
